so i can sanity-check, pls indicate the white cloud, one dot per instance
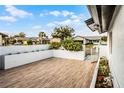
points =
(74, 16)
(41, 14)
(16, 12)
(59, 13)
(36, 27)
(66, 13)
(65, 22)
(77, 20)
(51, 24)
(58, 23)
(55, 13)
(73, 20)
(8, 18)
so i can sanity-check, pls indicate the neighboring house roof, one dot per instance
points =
(30, 38)
(20, 38)
(45, 38)
(87, 37)
(55, 40)
(33, 38)
(4, 35)
(92, 37)
(80, 38)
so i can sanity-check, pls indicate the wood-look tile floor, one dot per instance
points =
(49, 73)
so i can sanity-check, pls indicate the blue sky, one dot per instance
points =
(32, 19)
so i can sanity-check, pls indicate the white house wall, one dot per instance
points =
(103, 51)
(117, 57)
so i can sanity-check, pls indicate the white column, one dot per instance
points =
(84, 47)
(1, 40)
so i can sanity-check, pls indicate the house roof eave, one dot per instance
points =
(102, 16)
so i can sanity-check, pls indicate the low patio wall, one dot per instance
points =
(25, 58)
(18, 59)
(93, 82)
(79, 55)
(4, 50)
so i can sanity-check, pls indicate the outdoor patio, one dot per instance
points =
(49, 73)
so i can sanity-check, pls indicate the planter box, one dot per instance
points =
(93, 82)
(15, 60)
(79, 55)
(102, 76)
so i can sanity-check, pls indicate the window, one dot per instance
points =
(110, 42)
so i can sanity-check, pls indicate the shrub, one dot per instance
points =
(104, 38)
(89, 45)
(77, 46)
(70, 45)
(29, 42)
(55, 45)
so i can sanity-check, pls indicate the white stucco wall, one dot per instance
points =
(15, 49)
(15, 60)
(117, 57)
(69, 54)
(103, 51)
(25, 58)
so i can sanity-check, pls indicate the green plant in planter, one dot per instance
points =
(103, 67)
(70, 45)
(103, 77)
(55, 45)
(104, 62)
(103, 70)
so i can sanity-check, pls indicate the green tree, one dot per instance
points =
(62, 32)
(22, 34)
(15, 36)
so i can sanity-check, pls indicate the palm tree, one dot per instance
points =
(41, 36)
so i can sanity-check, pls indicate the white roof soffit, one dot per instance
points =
(94, 14)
